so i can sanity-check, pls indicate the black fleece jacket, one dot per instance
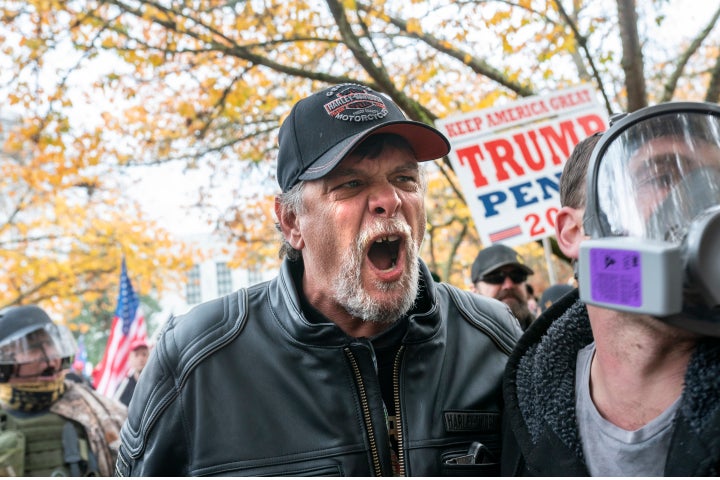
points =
(540, 433)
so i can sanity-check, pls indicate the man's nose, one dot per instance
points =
(384, 200)
(508, 283)
(52, 362)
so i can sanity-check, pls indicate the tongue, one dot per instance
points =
(382, 255)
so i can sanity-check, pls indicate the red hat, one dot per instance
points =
(138, 344)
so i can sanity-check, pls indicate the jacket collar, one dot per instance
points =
(284, 297)
(546, 370)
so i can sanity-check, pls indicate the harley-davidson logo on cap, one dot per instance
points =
(356, 104)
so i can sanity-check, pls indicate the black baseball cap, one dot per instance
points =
(326, 126)
(493, 257)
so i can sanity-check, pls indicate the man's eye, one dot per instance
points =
(666, 181)
(662, 181)
(406, 180)
(349, 184)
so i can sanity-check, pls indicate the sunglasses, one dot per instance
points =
(517, 276)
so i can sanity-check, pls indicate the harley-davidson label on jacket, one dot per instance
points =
(481, 422)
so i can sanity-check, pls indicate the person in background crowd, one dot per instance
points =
(500, 272)
(352, 361)
(48, 426)
(622, 378)
(76, 374)
(532, 300)
(552, 294)
(139, 353)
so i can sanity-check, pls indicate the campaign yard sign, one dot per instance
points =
(509, 159)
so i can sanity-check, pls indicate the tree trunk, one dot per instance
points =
(632, 58)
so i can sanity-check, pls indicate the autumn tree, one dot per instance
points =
(209, 81)
(64, 226)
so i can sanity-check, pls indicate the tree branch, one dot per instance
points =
(477, 65)
(713, 91)
(671, 84)
(582, 41)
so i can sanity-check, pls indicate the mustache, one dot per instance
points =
(381, 227)
(508, 294)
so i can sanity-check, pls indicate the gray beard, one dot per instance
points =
(358, 302)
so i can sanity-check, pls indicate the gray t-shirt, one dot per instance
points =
(611, 451)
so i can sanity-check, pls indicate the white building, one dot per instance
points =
(209, 279)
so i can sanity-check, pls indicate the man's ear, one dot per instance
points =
(289, 225)
(569, 231)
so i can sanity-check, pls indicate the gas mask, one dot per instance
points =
(653, 215)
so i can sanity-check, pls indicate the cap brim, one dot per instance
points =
(427, 144)
(137, 345)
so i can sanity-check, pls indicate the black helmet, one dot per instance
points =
(27, 328)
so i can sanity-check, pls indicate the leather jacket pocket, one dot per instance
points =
(475, 461)
(280, 470)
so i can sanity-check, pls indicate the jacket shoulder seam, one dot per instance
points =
(489, 315)
(178, 361)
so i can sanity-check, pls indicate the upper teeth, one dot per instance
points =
(391, 238)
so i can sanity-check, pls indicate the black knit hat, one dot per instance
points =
(325, 127)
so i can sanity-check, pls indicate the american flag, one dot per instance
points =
(128, 325)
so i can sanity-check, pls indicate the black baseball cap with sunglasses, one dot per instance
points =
(489, 260)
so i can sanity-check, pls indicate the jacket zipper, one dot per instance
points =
(398, 422)
(366, 413)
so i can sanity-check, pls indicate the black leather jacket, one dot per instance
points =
(247, 385)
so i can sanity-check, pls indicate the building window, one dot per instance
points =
(254, 276)
(193, 292)
(224, 279)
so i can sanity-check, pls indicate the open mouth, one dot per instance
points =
(384, 252)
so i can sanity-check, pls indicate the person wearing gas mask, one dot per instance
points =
(622, 377)
(49, 426)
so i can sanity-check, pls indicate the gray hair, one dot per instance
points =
(291, 202)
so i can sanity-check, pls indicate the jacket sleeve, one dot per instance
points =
(152, 439)
(155, 437)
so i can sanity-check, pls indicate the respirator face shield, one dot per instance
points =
(658, 174)
(37, 353)
(653, 215)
